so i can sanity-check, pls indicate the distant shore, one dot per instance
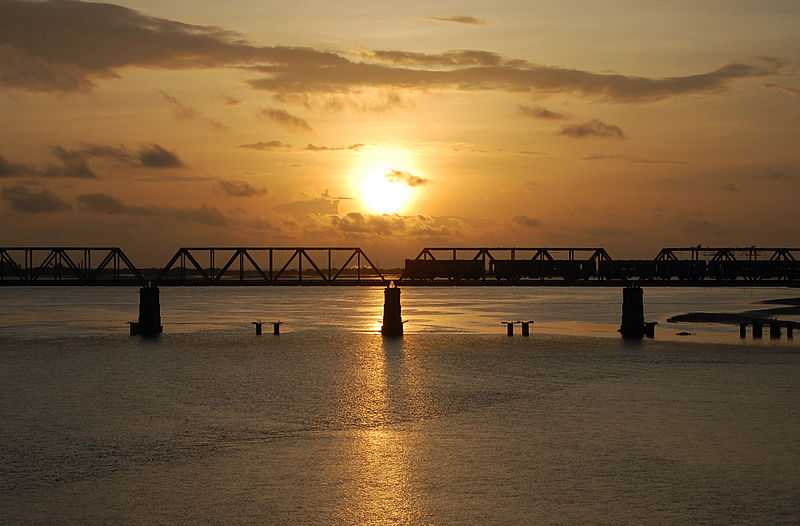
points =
(788, 307)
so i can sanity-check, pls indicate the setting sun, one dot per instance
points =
(386, 180)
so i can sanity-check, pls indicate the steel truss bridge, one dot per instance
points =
(433, 266)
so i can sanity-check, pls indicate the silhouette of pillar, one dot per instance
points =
(758, 330)
(632, 313)
(526, 328)
(149, 323)
(276, 328)
(790, 332)
(775, 331)
(258, 327)
(392, 312)
(742, 330)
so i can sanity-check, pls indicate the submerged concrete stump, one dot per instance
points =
(392, 312)
(633, 325)
(149, 323)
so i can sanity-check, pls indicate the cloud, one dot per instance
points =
(323, 205)
(286, 119)
(786, 89)
(278, 145)
(630, 159)
(779, 176)
(107, 204)
(538, 112)
(315, 148)
(72, 165)
(267, 146)
(398, 176)
(90, 41)
(527, 222)
(183, 112)
(356, 225)
(459, 19)
(366, 100)
(458, 57)
(10, 169)
(593, 128)
(155, 156)
(241, 189)
(74, 162)
(511, 76)
(27, 201)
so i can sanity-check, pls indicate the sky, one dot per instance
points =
(630, 125)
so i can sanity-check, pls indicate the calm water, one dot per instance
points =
(330, 424)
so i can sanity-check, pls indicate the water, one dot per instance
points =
(330, 424)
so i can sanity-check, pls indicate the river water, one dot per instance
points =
(331, 424)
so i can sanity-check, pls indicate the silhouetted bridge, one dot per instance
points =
(436, 266)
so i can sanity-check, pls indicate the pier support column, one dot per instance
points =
(742, 330)
(758, 330)
(790, 332)
(149, 323)
(775, 331)
(633, 325)
(392, 312)
(526, 328)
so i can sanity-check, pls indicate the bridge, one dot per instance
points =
(434, 266)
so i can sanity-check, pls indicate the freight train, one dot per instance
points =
(575, 270)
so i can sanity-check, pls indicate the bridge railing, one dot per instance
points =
(269, 265)
(67, 265)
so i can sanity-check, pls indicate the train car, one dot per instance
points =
(793, 270)
(513, 270)
(568, 270)
(682, 269)
(726, 270)
(459, 269)
(628, 269)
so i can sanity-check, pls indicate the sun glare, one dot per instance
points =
(379, 191)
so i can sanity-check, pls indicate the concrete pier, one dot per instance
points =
(510, 328)
(632, 325)
(742, 330)
(758, 330)
(392, 312)
(775, 331)
(526, 328)
(276, 328)
(790, 332)
(258, 325)
(149, 323)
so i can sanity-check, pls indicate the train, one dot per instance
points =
(575, 270)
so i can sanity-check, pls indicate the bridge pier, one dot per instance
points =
(526, 328)
(392, 312)
(743, 330)
(632, 325)
(149, 323)
(758, 330)
(775, 331)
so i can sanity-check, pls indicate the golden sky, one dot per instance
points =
(625, 124)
